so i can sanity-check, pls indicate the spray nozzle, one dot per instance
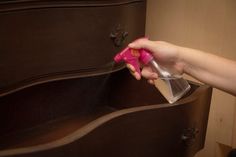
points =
(134, 57)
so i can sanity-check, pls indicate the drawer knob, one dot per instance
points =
(189, 136)
(118, 35)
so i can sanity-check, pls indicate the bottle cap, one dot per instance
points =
(145, 56)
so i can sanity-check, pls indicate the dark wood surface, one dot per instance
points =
(56, 42)
(61, 95)
(122, 117)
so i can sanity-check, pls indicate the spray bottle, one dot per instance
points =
(171, 86)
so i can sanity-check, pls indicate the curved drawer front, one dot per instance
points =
(44, 41)
(112, 122)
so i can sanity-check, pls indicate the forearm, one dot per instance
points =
(210, 69)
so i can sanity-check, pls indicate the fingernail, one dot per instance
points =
(137, 76)
(130, 67)
(151, 82)
(154, 75)
(131, 45)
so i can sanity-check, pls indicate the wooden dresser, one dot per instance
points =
(62, 95)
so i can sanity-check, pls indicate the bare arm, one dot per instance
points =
(210, 69)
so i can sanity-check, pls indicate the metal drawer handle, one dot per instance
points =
(118, 35)
(189, 136)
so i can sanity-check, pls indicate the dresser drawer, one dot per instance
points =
(52, 40)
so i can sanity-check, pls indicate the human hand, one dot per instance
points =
(164, 53)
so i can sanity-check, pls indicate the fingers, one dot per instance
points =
(148, 73)
(143, 43)
(151, 82)
(133, 71)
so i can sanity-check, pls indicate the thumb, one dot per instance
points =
(143, 43)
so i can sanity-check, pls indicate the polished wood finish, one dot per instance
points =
(61, 95)
(109, 114)
(46, 41)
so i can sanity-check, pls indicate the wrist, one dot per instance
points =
(180, 59)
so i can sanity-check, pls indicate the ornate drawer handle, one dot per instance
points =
(118, 35)
(189, 136)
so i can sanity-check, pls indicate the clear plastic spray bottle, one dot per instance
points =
(171, 86)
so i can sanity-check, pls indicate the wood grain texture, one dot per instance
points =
(76, 103)
(58, 42)
(109, 121)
